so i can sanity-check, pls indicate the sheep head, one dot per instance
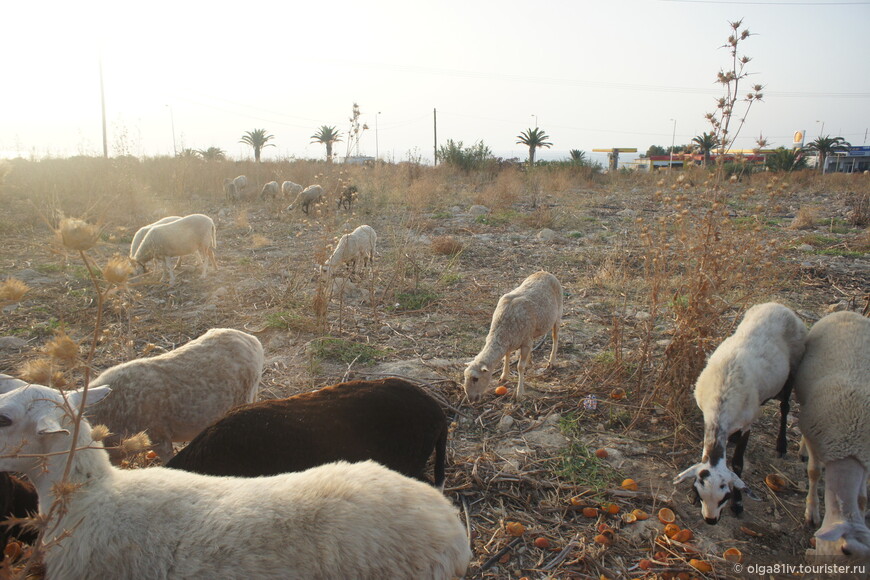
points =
(477, 379)
(714, 485)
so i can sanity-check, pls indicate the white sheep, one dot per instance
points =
(193, 233)
(9, 383)
(270, 190)
(338, 520)
(351, 248)
(241, 183)
(755, 364)
(230, 191)
(289, 188)
(832, 385)
(523, 315)
(140, 235)
(174, 396)
(309, 195)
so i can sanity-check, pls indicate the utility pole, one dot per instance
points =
(103, 106)
(435, 122)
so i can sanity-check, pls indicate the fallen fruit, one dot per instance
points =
(515, 529)
(645, 564)
(749, 532)
(666, 516)
(683, 536)
(13, 550)
(603, 540)
(629, 518)
(671, 530)
(610, 508)
(505, 559)
(629, 484)
(578, 500)
(661, 556)
(601, 453)
(617, 394)
(640, 514)
(701, 565)
(542, 543)
(775, 482)
(502, 390)
(733, 555)
(590, 512)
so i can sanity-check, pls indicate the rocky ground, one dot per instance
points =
(422, 312)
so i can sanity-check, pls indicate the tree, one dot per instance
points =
(465, 158)
(578, 157)
(258, 140)
(328, 136)
(826, 145)
(706, 142)
(533, 138)
(656, 150)
(213, 154)
(783, 159)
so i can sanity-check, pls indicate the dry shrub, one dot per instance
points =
(805, 218)
(446, 246)
(423, 194)
(541, 217)
(259, 241)
(12, 290)
(859, 212)
(242, 219)
(506, 190)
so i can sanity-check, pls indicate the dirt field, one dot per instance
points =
(423, 311)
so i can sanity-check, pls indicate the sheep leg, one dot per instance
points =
(737, 467)
(555, 336)
(781, 439)
(814, 472)
(506, 370)
(171, 271)
(525, 355)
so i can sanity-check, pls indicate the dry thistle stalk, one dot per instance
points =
(117, 270)
(77, 234)
(12, 290)
(135, 443)
(62, 349)
(41, 371)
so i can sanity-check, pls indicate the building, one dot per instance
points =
(680, 160)
(855, 160)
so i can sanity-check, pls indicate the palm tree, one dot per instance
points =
(213, 154)
(827, 145)
(327, 135)
(533, 138)
(782, 159)
(257, 139)
(578, 157)
(706, 142)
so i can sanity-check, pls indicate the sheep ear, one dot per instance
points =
(95, 395)
(484, 369)
(690, 472)
(738, 483)
(49, 426)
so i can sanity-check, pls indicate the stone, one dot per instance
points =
(478, 210)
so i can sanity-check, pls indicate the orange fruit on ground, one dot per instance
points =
(661, 556)
(501, 390)
(610, 508)
(701, 565)
(13, 549)
(515, 529)
(645, 564)
(640, 514)
(667, 516)
(578, 500)
(542, 543)
(603, 539)
(683, 536)
(671, 530)
(151, 455)
(617, 394)
(629, 484)
(601, 453)
(590, 512)
(775, 482)
(629, 518)
(733, 555)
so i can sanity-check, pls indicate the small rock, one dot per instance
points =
(11, 343)
(505, 423)
(837, 307)
(546, 235)
(642, 316)
(805, 248)
(478, 210)
(627, 212)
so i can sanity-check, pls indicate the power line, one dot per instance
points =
(768, 3)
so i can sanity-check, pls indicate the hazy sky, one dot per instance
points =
(593, 73)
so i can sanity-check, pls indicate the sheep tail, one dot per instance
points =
(441, 458)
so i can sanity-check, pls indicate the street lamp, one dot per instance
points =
(172, 120)
(822, 132)
(536, 120)
(376, 135)
(673, 138)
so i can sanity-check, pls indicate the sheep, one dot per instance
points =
(140, 235)
(193, 233)
(175, 395)
(358, 245)
(289, 188)
(8, 383)
(831, 385)
(338, 520)
(345, 199)
(309, 195)
(755, 364)
(390, 421)
(270, 189)
(241, 183)
(521, 316)
(231, 193)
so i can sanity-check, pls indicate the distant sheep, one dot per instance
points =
(176, 395)
(231, 193)
(311, 194)
(832, 385)
(270, 189)
(523, 315)
(755, 364)
(339, 520)
(289, 188)
(359, 245)
(241, 183)
(193, 233)
(345, 199)
(391, 421)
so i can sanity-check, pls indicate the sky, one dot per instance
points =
(590, 73)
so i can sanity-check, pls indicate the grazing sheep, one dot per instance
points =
(8, 383)
(522, 315)
(390, 421)
(17, 500)
(270, 190)
(358, 245)
(231, 193)
(140, 235)
(755, 364)
(241, 183)
(338, 520)
(311, 194)
(347, 196)
(289, 188)
(176, 395)
(193, 233)
(832, 385)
